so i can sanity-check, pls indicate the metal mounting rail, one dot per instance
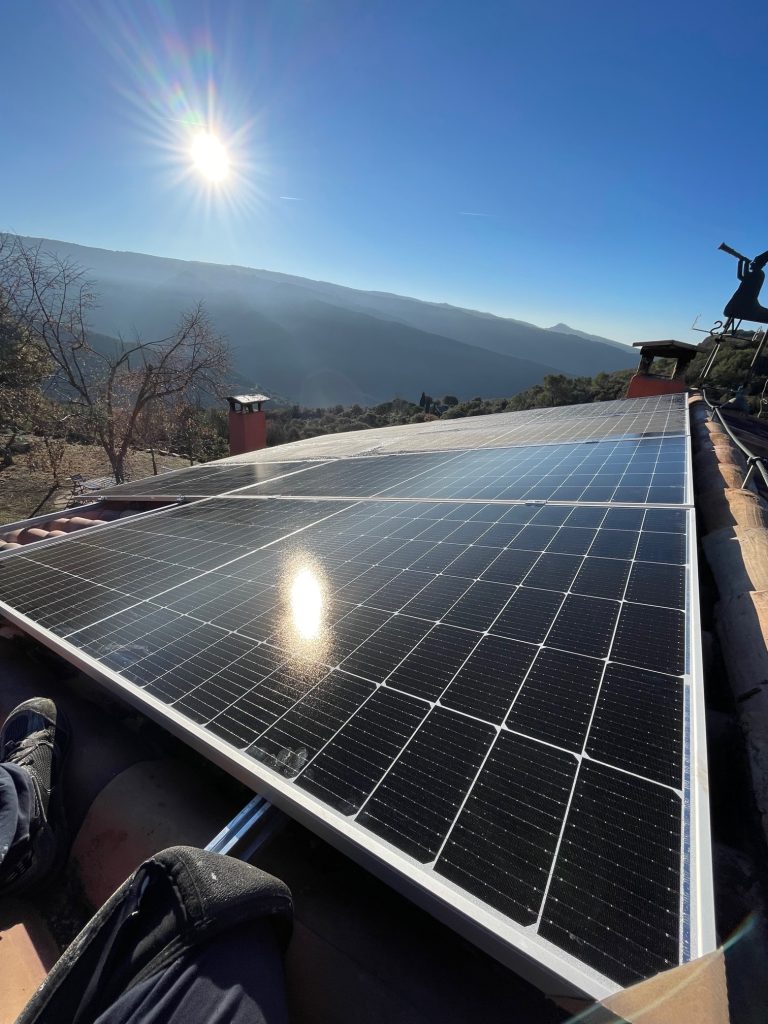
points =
(754, 462)
(251, 828)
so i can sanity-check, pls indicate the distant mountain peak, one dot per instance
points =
(563, 328)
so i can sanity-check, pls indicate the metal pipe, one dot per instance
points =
(753, 461)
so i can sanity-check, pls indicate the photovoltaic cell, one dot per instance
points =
(556, 701)
(510, 825)
(619, 830)
(529, 614)
(479, 606)
(487, 683)
(511, 566)
(382, 653)
(351, 764)
(434, 662)
(602, 577)
(495, 690)
(297, 736)
(584, 625)
(414, 805)
(638, 724)
(663, 585)
(553, 572)
(659, 633)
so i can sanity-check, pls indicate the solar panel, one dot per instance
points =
(493, 700)
(204, 480)
(646, 471)
(463, 664)
(503, 429)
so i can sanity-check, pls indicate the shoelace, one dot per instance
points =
(21, 752)
(20, 866)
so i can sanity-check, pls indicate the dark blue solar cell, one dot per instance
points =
(434, 662)
(584, 625)
(502, 845)
(662, 547)
(350, 765)
(528, 615)
(510, 567)
(650, 583)
(415, 805)
(555, 703)
(479, 606)
(487, 683)
(602, 577)
(614, 898)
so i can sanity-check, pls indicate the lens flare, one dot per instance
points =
(306, 601)
(210, 157)
(189, 115)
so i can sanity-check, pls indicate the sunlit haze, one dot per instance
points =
(554, 162)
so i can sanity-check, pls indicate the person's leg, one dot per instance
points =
(9, 814)
(166, 927)
(17, 810)
(236, 977)
(32, 747)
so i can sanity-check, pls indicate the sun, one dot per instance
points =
(209, 157)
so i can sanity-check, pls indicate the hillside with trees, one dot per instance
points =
(319, 343)
(730, 372)
(58, 378)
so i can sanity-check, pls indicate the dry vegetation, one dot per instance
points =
(26, 486)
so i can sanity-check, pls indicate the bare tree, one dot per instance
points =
(23, 366)
(49, 422)
(49, 297)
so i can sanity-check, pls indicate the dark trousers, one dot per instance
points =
(17, 808)
(191, 937)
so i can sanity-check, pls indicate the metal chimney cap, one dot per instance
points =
(247, 399)
(661, 348)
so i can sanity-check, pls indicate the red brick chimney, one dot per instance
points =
(247, 425)
(644, 383)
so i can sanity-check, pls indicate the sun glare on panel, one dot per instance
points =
(307, 604)
(210, 157)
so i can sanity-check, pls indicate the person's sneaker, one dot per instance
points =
(35, 737)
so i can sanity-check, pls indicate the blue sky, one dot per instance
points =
(559, 161)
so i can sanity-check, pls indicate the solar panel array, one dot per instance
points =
(477, 666)
(642, 471)
(632, 419)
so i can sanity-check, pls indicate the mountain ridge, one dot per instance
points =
(321, 343)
